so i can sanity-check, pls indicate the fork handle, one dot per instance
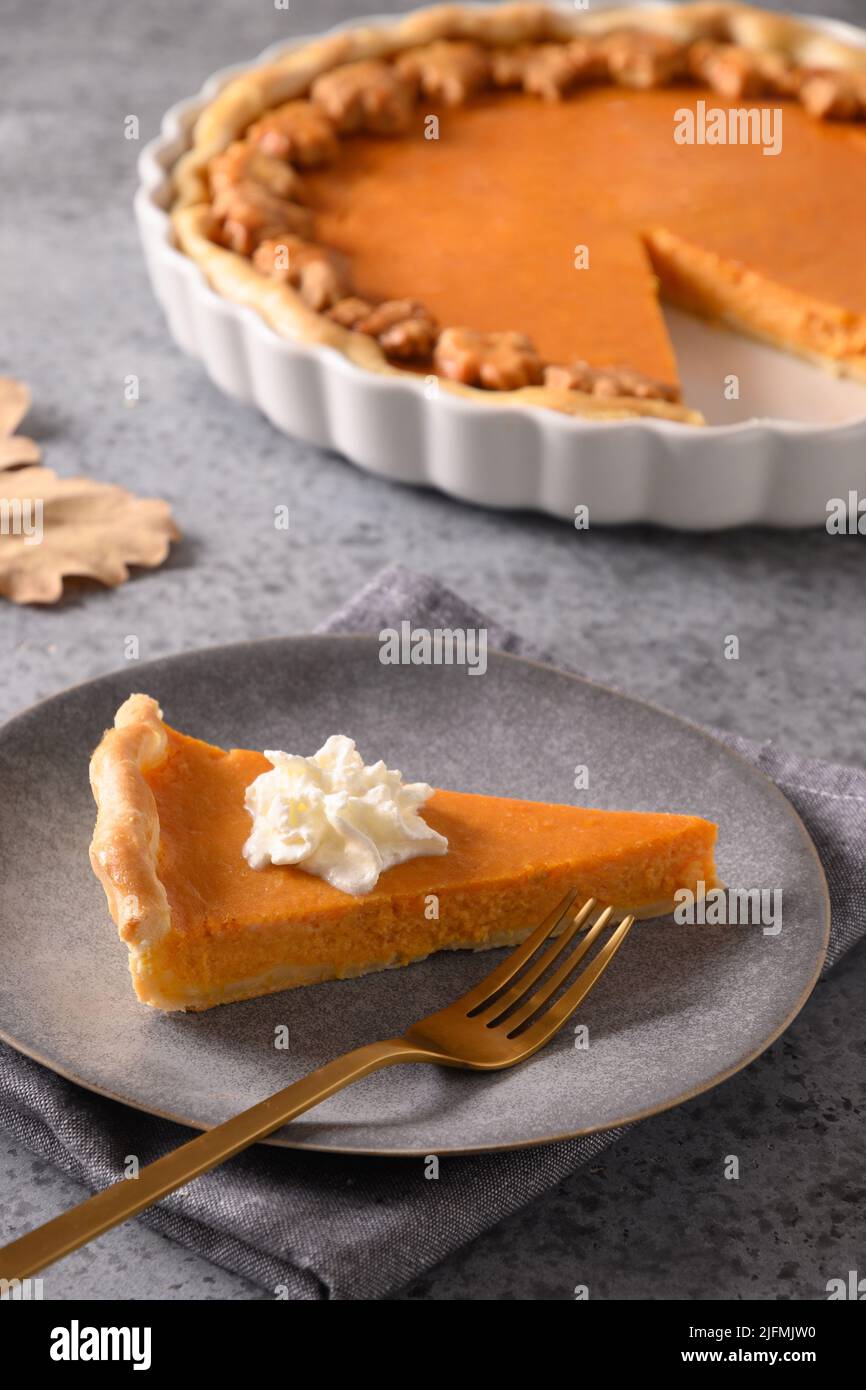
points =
(129, 1196)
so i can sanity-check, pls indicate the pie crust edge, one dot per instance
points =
(123, 851)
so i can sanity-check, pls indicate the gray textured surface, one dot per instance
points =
(647, 611)
(656, 1218)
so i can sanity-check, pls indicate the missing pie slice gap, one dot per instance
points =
(730, 292)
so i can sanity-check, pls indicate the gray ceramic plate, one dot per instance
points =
(680, 1009)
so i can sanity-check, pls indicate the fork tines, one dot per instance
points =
(514, 1008)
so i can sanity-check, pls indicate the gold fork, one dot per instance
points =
(497, 1024)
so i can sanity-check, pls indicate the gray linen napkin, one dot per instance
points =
(316, 1226)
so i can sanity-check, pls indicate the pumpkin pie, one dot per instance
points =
(500, 197)
(205, 928)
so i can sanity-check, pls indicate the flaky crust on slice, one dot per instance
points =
(123, 852)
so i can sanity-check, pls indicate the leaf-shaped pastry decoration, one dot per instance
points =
(15, 449)
(53, 527)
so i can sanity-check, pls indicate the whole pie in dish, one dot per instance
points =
(203, 927)
(498, 197)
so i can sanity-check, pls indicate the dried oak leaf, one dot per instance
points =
(53, 527)
(15, 449)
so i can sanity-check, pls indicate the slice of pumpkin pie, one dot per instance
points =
(235, 874)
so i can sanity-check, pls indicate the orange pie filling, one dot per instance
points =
(225, 931)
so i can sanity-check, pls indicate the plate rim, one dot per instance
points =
(541, 663)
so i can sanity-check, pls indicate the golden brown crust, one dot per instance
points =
(369, 95)
(609, 381)
(296, 130)
(318, 274)
(402, 327)
(549, 70)
(246, 214)
(449, 70)
(248, 97)
(834, 96)
(244, 161)
(123, 852)
(497, 361)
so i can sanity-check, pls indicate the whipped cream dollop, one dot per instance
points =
(335, 817)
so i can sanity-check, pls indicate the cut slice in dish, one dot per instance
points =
(732, 292)
(203, 928)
